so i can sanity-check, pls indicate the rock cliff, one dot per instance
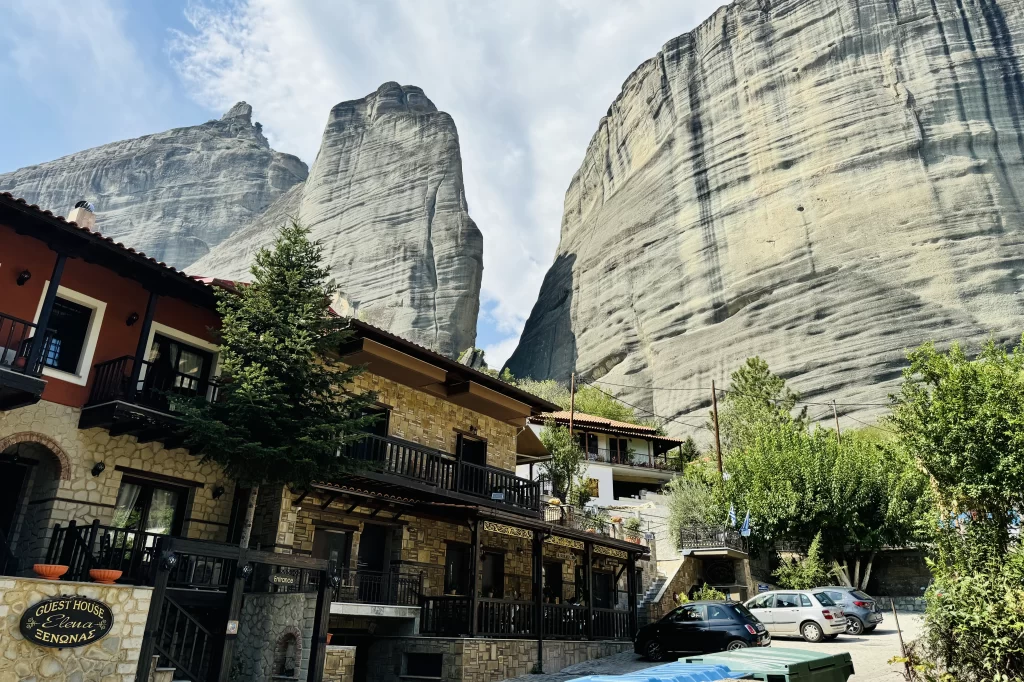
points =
(386, 197)
(824, 183)
(174, 194)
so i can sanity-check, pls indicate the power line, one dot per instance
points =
(642, 409)
(728, 390)
(872, 426)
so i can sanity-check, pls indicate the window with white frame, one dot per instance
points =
(72, 333)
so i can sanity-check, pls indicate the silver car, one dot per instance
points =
(810, 614)
(862, 611)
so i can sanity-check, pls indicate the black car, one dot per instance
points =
(701, 626)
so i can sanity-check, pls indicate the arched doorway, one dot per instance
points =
(30, 474)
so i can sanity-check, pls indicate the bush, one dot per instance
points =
(806, 573)
(705, 593)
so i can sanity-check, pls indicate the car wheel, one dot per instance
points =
(654, 651)
(870, 629)
(812, 632)
(736, 644)
(854, 625)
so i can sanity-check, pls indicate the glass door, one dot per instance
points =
(177, 367)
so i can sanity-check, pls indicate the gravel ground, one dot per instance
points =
(870, 655)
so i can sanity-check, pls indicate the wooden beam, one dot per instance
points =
(296, 503)
(474, 594)
(330, 498)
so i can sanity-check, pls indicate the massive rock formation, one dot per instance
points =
(824, 183)
(174, 194)
(385, 196)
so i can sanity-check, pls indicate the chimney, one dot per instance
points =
(83, 214)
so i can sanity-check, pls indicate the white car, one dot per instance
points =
(810, 614)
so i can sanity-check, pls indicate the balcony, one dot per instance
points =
(20, 385)
(140, 404)
(450, 617)
(642, 461)
(399, 462)
(712, 541)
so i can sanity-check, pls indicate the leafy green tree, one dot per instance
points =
(567, 465)
(283, 411)
(589, 399)
(756, 399)
(964, 422)
(694, 503)
(805, 573)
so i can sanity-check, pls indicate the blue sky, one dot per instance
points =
(525, 80)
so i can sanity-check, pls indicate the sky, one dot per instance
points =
(526, 81)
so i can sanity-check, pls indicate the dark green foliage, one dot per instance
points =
(283, 411)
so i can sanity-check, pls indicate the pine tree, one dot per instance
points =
(283, 411)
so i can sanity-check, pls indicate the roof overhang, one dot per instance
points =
(479, 398)
(395, 365)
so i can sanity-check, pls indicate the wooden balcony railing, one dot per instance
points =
(565, 621)
(506, 618)
(450, 616)
(711, 537)
(16, 339)
(396, 457)
(445, 616)
(377, 587)
(156, 387)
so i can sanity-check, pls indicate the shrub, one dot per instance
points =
(806, 573)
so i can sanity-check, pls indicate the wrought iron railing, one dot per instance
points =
(711, 537)
(445, 616)
(634, 459)
(156, 387)
(16, 339)
(183, 642)
(571, 517)
(377, 587)
(396, 457)
(84, 547)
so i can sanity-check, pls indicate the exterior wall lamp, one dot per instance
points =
(132, 319)
(23, 277)
(218, 491)
(98, 468)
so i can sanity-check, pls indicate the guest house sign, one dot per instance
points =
(65, 622)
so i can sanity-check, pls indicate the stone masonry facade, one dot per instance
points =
(340, 664)
(482, 660)
(114, 658)
(62, 488)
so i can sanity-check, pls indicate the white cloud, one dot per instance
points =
(526, 82)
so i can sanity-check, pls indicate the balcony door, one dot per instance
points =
(471, 450)
(150, 507)
(178, 367)
(493, 583)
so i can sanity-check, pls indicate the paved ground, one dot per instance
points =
(870, 655)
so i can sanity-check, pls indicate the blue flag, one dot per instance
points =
(745, 530)
(732, 516)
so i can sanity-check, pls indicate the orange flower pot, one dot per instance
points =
(50, 571)
(104, 576)
(329, 638)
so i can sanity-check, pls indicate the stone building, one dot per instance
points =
(431, 559)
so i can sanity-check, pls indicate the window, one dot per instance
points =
(805, 601)
(70, 324)
(493, 584)
(834, 596)
(149, 507)
(690, 614)
(604, 589)
(588, 443)
(619, 448)
(857, 594)
(334, 546)
(762, 602)
(456, 569)
(783, 601)
(177, 366)
(471, 450)
(718, 613)
(423, 665)
(823, 599)
(379, 425)
(552, 582)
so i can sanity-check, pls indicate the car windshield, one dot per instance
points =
(823, 599)
(861, 595)
(744, 612)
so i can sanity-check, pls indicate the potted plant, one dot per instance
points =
(104, 576)
(50, 571)
(616, 519)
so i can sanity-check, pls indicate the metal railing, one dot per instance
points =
(9, 563)
(571, 517)
(393, 456)
(377, 587)
(634, 459)
(711, 537)
(16, 339)
(84, 547)
(450, 616)
(183, 642)
(156, 387)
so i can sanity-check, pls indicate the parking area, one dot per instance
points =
(870, 654)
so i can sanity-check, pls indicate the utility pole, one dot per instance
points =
(572, 400)
(718, 439)
(839, 438)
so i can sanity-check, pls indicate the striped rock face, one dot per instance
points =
(822, 183)
(385, 196)
(173, 195)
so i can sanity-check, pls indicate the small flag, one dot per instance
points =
(732, 516)
(745, 530)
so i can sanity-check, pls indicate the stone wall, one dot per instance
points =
(435, 422)
(114, 658)
(898, 572)
(339, 666)
(264, 625)
(482, 660)
(62, 488)
(909, 604)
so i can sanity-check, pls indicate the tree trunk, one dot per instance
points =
(867, 572)
(856, 571)
(846, 572)
(250, 512)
